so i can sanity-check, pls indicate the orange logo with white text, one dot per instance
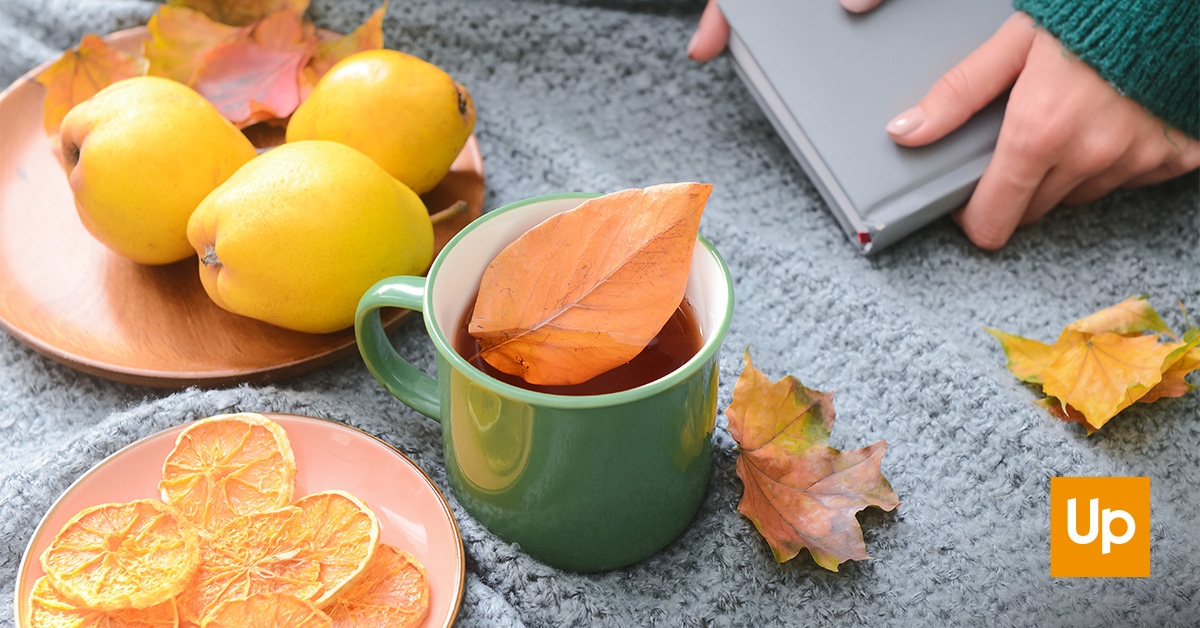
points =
(1099, 527)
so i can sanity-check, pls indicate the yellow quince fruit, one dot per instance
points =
(140, 155)
(406, 114)
(297, 235)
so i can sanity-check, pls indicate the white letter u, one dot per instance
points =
(1093, 524)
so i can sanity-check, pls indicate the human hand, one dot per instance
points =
(713, 31)
(1068, 136)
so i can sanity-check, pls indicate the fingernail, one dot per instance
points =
(691, 47)
(906, 122)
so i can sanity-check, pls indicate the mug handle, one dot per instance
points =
(416, 389)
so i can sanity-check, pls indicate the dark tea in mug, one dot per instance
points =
(674, 345)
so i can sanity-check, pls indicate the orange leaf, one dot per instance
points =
(1105, 374)
(1175, 369)
(255, 77)
(179, 37)
(241, 12)
(586, 290)
(1029, 359)
(777, 419)
(369, 36)
(1131, 316)
(799, 492)
(1104, 362)
(81, 72)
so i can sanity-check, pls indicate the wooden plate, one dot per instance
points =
(413, 514)
(68, 297)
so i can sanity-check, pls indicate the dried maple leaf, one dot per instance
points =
(1105, 362)
(242, 12)
(1131, 316)
(369, 36)
(81, 72)
(799, 492)
(1104, 374)
(179, 37)
(1028, 359)
(1183, 359)
(255, 76)
(586, 290)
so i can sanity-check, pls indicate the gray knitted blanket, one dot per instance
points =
(599, 96)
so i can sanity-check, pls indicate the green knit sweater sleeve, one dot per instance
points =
(1148, 49)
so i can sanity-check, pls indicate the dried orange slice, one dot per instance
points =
(118, 556)
(50, 609)
(227, 466)
(259, 553)
(343, 536)
(312, 550)
(273, 610)
(394, 593)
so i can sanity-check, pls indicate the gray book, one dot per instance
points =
(831, 80)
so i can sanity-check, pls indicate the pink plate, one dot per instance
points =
(411, 510)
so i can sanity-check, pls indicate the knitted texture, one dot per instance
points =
(598, 96)
(1148, 49)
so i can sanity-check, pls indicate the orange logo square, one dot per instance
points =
(1099, 527)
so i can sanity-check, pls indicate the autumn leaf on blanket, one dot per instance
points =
(1173, 384)
(241, 12)
(81, 72)
(331, 49)
(1105, 362)
(800, 492)
(1131, 316)
(179, 37)
(255, 77)
(1029, 359)
(586, 290)
(1183, 360)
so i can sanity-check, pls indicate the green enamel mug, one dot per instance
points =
(582, 483)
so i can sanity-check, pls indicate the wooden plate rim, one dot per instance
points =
(162, 378)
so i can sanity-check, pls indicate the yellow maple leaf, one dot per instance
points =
(1105, 362)
(1029, 359)
(81, 72)
(1184, 359)
(1105, 374)
(1131, 316)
